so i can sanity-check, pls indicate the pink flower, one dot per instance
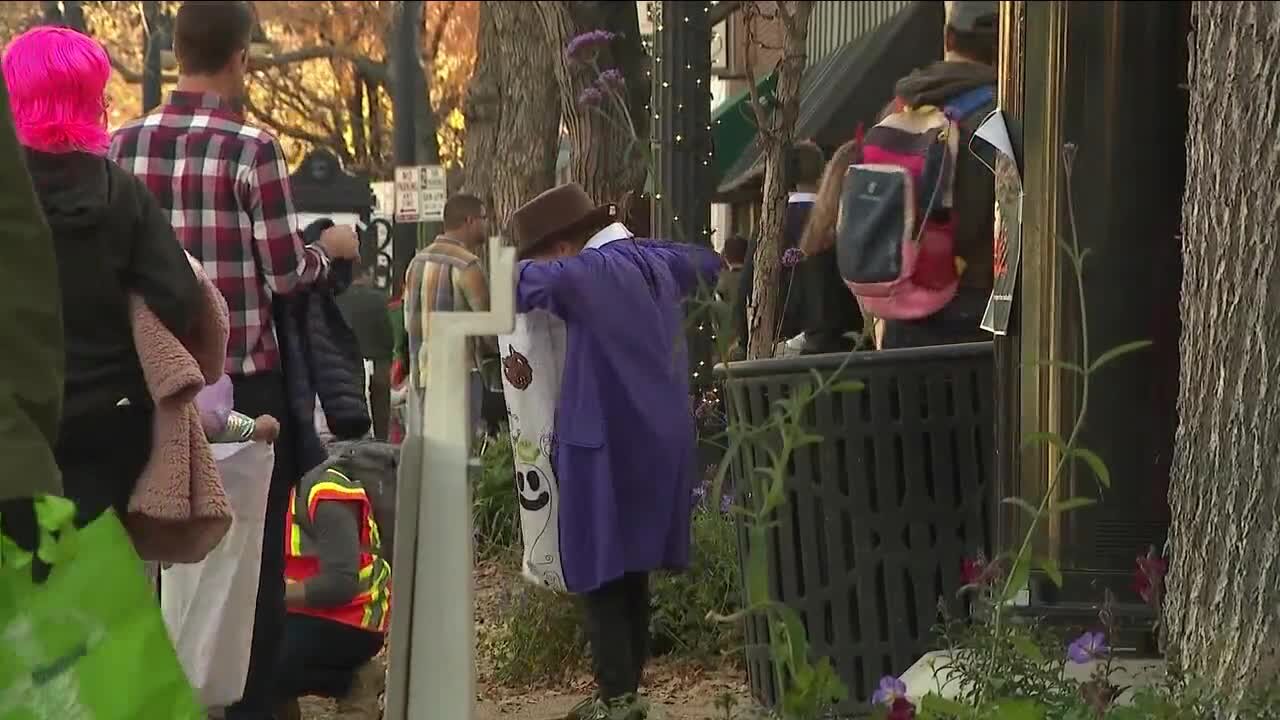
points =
(978, 571)
(1148, 579)
(902, 709)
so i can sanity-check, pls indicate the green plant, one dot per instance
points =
(809, 688)
(495, 513)
(538, 637)
(1001, 669)
(681, 602)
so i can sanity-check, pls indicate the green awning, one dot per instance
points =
(733, 126)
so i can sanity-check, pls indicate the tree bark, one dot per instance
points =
(605, 157)
(512, 111)
(776, 128)
(68, 13)
(1221, 623)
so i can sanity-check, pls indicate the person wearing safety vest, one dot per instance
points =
(338, 592)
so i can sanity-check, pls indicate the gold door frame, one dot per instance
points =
(1039, 66)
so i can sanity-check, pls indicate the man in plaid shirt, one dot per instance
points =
(226, 187)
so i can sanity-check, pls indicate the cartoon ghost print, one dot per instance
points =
(537, 496)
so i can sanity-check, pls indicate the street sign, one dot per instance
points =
(421, 191)
(408, 207)
(433, 191)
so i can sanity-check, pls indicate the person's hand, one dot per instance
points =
(341, 242)
(266, 429)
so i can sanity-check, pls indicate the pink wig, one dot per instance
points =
(56, 79)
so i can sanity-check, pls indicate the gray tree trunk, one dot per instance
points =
(513, 110)
(604, 159)
(1221, 622)
(776, 131)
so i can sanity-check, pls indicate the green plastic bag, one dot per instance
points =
(89, 642)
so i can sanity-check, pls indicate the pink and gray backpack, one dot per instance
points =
(894, 234)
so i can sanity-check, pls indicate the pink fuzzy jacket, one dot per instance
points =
(179, 511)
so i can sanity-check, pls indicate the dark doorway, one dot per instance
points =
(1124, 107)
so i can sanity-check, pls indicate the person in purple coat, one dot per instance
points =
(624, 431)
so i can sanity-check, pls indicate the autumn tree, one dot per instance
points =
(607, 144)
(512, 110)
(775, 125)
(1224, 586)
(325, 82)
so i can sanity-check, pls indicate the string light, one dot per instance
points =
(672, 88)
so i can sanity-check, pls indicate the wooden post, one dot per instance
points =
(433, 628)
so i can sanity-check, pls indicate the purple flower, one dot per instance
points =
(699, 494)
(726, 502)
(1087, 647)
(587, 44)
(589, 97)
(891, 690)
(611, 78)
(792, 257)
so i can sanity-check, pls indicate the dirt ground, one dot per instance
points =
(678, 691)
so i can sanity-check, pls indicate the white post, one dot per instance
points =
(432, 592)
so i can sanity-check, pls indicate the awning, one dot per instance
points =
(850, 87)
(733, 126)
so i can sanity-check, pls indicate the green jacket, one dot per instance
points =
(31, 352)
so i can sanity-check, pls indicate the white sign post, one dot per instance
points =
(432, 651)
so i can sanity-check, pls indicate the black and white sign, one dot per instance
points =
(421, 191)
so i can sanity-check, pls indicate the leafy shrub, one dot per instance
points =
(537, 630)
(712, 585)
(538, 637)
(495, 513)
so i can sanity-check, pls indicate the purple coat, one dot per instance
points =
(625, 442)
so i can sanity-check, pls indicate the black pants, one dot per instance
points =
(321, 657)
(959, 322)
(617, 622)
(254, 396)
(101, 453)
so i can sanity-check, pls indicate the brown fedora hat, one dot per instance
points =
(554, 214)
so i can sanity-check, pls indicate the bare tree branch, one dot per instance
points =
(433, 44)
(372, 69)
(283, 128)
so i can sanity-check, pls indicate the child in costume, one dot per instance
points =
(623, 446)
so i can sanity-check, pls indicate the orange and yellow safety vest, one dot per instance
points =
(370, 609)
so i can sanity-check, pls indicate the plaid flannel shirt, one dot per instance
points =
(226, 187)
(442, 277)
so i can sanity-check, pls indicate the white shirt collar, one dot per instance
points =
(615, 231)
(802, 197)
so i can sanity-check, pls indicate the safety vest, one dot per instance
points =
(371, 607)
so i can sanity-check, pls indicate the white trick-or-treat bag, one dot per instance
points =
(532, 368)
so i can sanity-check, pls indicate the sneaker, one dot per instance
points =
(361, 703)
(627, 707)
(583, 710)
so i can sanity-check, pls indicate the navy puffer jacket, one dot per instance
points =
(322, 359)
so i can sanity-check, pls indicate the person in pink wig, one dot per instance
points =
(111, 241)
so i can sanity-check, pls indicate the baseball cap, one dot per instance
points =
(974, 16)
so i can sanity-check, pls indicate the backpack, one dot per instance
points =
(373, 464)
(894, 233)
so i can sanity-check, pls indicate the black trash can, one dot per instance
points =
(881, 514)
